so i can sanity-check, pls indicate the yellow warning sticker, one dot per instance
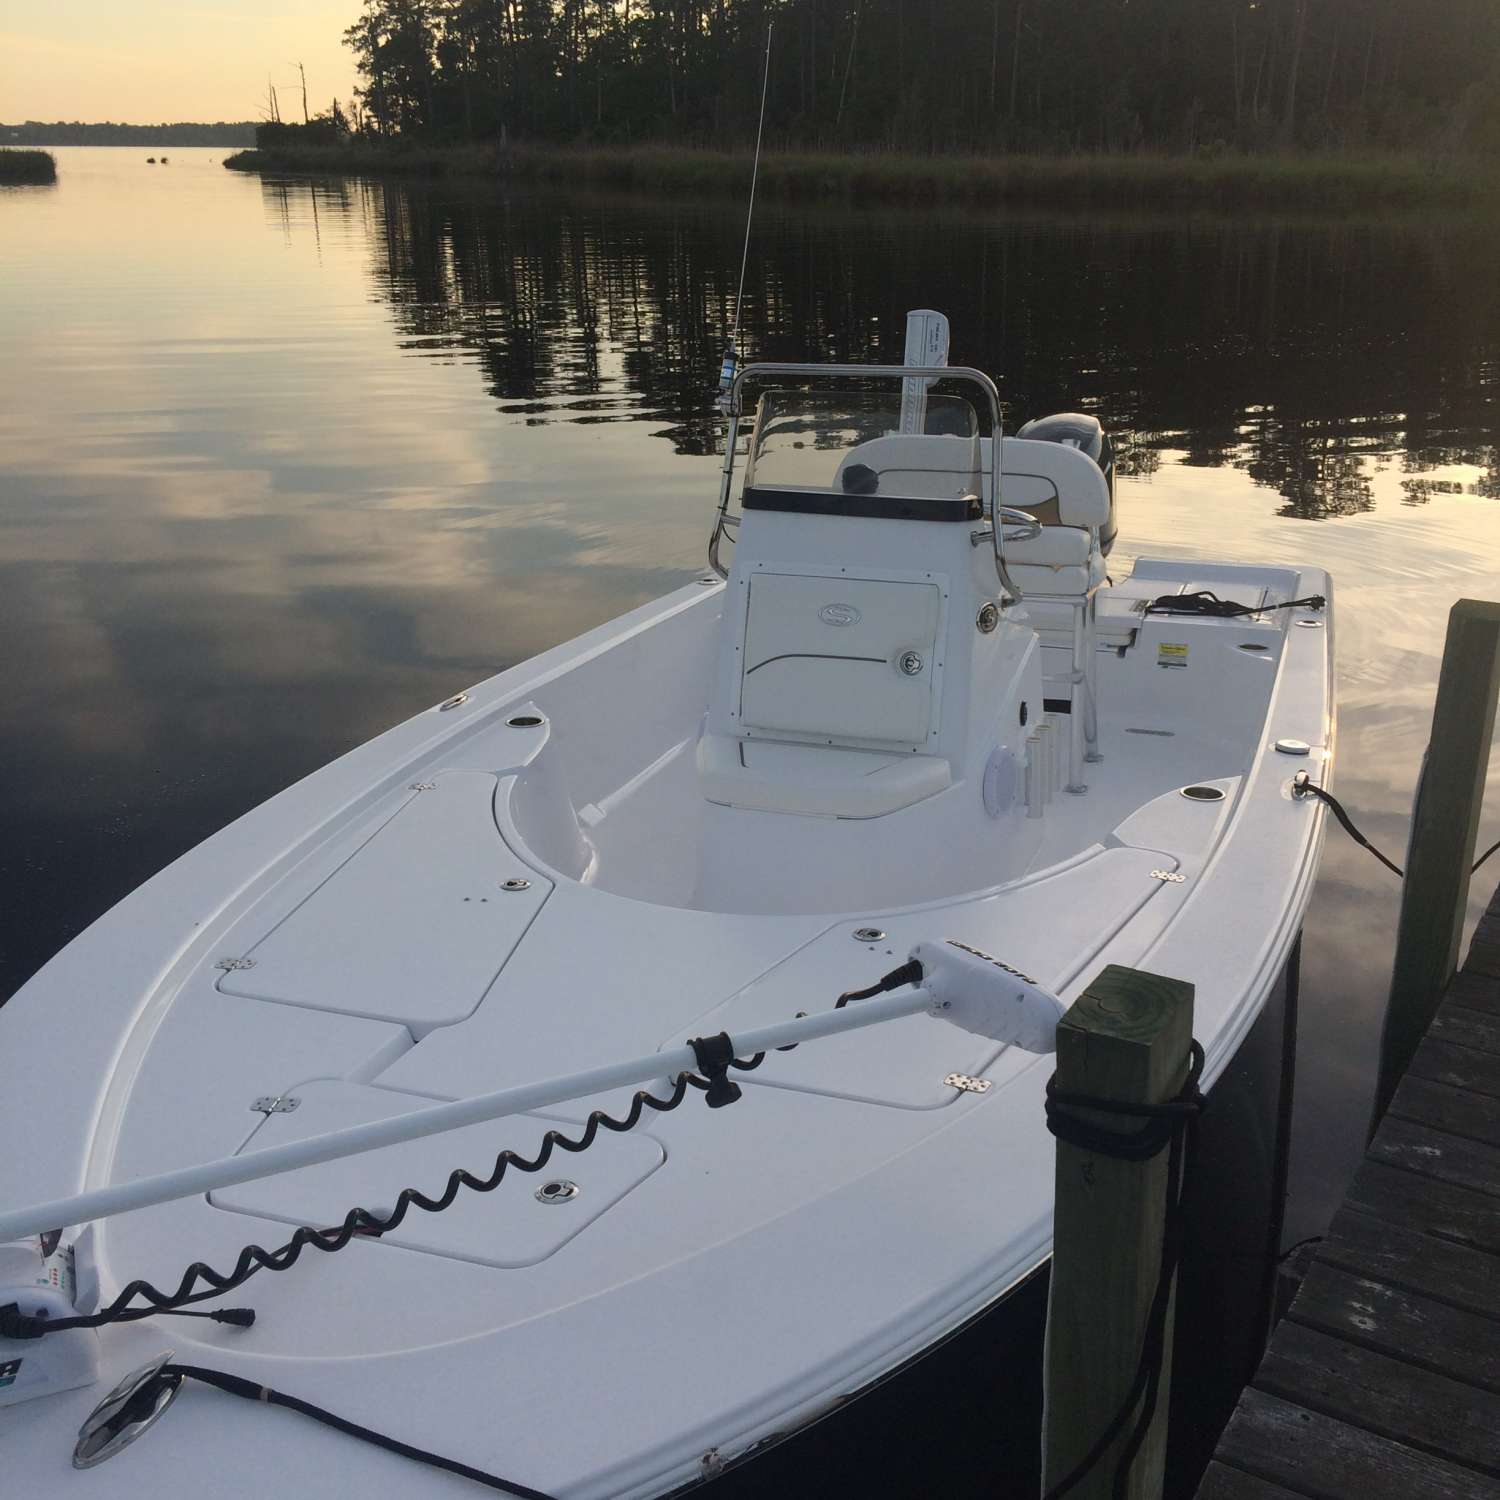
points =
(1171, 654)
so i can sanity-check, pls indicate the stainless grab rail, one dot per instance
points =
(734, 409)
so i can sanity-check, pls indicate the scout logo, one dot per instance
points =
(839, 614)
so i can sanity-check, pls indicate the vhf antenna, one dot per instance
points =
(727, 368)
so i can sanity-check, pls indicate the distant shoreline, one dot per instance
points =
(1322, 181)
(223, 133)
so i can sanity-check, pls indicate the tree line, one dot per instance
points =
(1078, 75)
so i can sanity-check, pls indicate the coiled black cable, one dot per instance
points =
(714, 1057)
(358, 1221)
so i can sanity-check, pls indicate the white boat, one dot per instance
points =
(888, 722)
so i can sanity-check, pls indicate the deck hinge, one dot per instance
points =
(967, 1085)
(1169, 876)
(275, 1104)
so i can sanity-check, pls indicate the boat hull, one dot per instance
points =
(851, 1213)
(969, 1409)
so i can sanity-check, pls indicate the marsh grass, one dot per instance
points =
(1230, 180)
(20, 168)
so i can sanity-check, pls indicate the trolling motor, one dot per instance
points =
(44, 1281)
(983, 995)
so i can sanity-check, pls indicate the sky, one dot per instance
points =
(148, 61)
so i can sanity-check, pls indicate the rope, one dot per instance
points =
(1206, 602)
(1304, 786)
(1291, 1250)
(1168, 1126)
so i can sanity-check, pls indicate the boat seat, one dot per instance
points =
(1061, 569)
(1063, 560)
(818, 780)
(1067, 492)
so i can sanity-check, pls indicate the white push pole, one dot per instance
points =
(926, 345)
(189, 1182)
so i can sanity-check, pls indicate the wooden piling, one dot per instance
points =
(1445, 830)
(1126, 1039)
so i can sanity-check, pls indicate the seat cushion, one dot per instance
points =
(815, 780)
(1072, 582)
(1056, 547)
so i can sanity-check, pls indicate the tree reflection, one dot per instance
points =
(1290, 350)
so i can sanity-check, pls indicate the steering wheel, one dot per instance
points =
(1019, 525)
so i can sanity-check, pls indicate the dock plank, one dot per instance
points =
(1459, 1275)
(1458, 1067)
(1327, 1459)
(1383, 1379)
(1385, 1395)
(1467, 1027)
(1476, 991)
(1444, 1339)
(1220, 1482)
(1446, 1210)
(1434, 1153)
(1454, 1111)
(1484, 951)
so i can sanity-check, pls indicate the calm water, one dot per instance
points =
(281, 464)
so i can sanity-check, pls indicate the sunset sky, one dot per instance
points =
(148, 61)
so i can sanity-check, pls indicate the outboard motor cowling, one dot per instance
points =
(1078, 430)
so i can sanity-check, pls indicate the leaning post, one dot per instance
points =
(1435, 892)
(1126, 1039)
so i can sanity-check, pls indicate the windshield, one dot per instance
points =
(852, 443)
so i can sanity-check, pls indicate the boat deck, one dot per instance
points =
(1383, 1379)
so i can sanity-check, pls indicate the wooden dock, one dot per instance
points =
(1383, 1379)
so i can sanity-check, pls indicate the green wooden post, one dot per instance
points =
(1127, 1039)
(1436, 889)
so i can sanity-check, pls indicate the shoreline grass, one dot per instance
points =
(27, 168)
(1324, 181)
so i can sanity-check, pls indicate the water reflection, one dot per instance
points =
(1298, 353)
